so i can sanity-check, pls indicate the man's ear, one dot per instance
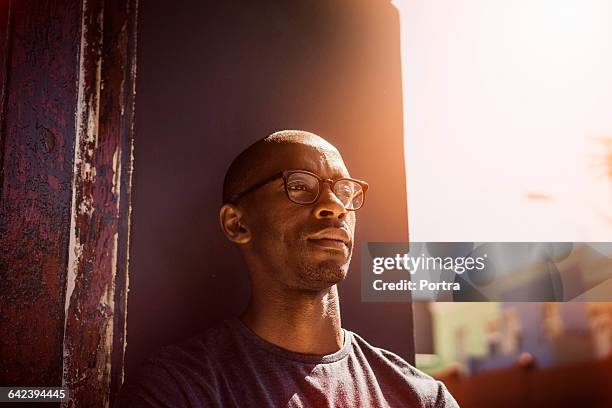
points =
(232, 224)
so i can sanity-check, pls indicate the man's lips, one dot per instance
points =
(336, 238)
(329, 243)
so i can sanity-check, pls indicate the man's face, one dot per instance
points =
(304, 247)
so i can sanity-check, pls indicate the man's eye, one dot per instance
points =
(298, 187)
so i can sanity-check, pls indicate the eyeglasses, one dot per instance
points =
(303, 187)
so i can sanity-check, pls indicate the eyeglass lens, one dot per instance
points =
(303, 188)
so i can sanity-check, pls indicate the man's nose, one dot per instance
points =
(328, 205)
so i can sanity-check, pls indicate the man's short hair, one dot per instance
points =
(237, 176)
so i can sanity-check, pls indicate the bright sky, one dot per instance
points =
(507, 106)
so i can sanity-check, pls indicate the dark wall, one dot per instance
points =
(215, 77)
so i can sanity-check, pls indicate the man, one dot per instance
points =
(289, 204)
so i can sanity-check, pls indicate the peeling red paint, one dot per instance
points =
(100, 213)
(65, 183)
(36, 187)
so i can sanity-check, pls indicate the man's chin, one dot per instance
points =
(324, 274)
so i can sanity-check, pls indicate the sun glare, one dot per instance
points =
(506, 105)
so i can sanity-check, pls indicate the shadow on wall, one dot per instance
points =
(215, 77)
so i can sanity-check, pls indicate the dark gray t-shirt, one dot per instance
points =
(230, 366)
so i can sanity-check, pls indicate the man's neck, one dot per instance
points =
(301, 322)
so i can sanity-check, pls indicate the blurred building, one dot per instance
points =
(479, 337)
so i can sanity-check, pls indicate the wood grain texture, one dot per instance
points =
(67, 72)
(38, 149)
(97, 275)
(126, 164)
(5, 12)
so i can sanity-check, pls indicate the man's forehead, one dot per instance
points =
(320, 158)
(284, 150)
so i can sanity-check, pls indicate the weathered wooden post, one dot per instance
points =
(67, 72)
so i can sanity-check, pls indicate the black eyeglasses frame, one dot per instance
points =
(285, 175)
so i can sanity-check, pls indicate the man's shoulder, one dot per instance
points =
(181, 372)
(394, 360)
(199, 354)
(390, 367)
(197, 346)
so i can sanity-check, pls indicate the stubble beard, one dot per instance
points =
(319, 275)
